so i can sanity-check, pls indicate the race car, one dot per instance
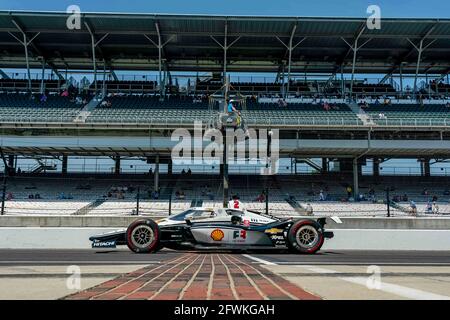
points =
(203, 228)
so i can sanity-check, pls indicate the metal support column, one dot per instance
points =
(94, 63)
(159, 45)
(156, 178)
(324, 165)
(117, 165)
(27, 61)
(355, 49)
(42, 76)
(419, 58)
(104, 79)
(426, 167)
(64, 164)
(286, 93)
(290, 47)
(225, 48)
(225, 171)
(94, 44)
(401, 79)
(5, 177)
(355, 179)
(376, 167)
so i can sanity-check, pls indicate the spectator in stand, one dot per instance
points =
(349, 192)
(372, 195)
(261, 197)
(43, 97)
(435, 208)
(9, 196)
(231, 108)
(412, 208)
(321, 196)
(282, 103)
(429, 207)
(65, 93)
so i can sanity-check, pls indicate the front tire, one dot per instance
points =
(143, 236)
(305, 236)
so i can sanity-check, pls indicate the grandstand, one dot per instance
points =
(345, 107)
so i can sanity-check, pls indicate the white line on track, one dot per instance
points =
(325, 263)
(398, 290)
(262, 261)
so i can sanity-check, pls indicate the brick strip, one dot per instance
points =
(146, 289)
(200, 277)
(191, 281)
(221, 287)
(248, 288)
(172, 288)
(109, 286)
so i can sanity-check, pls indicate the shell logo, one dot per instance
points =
(217, 235)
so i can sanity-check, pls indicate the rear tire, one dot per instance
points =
(143, 236)
(305, 236)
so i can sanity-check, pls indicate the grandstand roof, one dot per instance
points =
(190, 44)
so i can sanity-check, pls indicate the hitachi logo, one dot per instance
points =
(105, 244)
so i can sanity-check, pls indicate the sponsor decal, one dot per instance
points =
(246, 223)
(104, 244)
(217, 235)
(273, 231)
(239, 234)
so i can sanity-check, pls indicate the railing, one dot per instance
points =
(239, 169)
(126, 88)
(250, 120)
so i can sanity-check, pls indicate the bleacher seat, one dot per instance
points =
(149, 109)
(21, 108)
(410, 114)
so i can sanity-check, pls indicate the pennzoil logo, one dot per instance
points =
(217, 235)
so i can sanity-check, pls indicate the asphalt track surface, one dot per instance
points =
(9, 257)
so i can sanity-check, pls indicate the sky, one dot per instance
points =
(335, 8)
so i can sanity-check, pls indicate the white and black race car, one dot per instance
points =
(203, 228)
